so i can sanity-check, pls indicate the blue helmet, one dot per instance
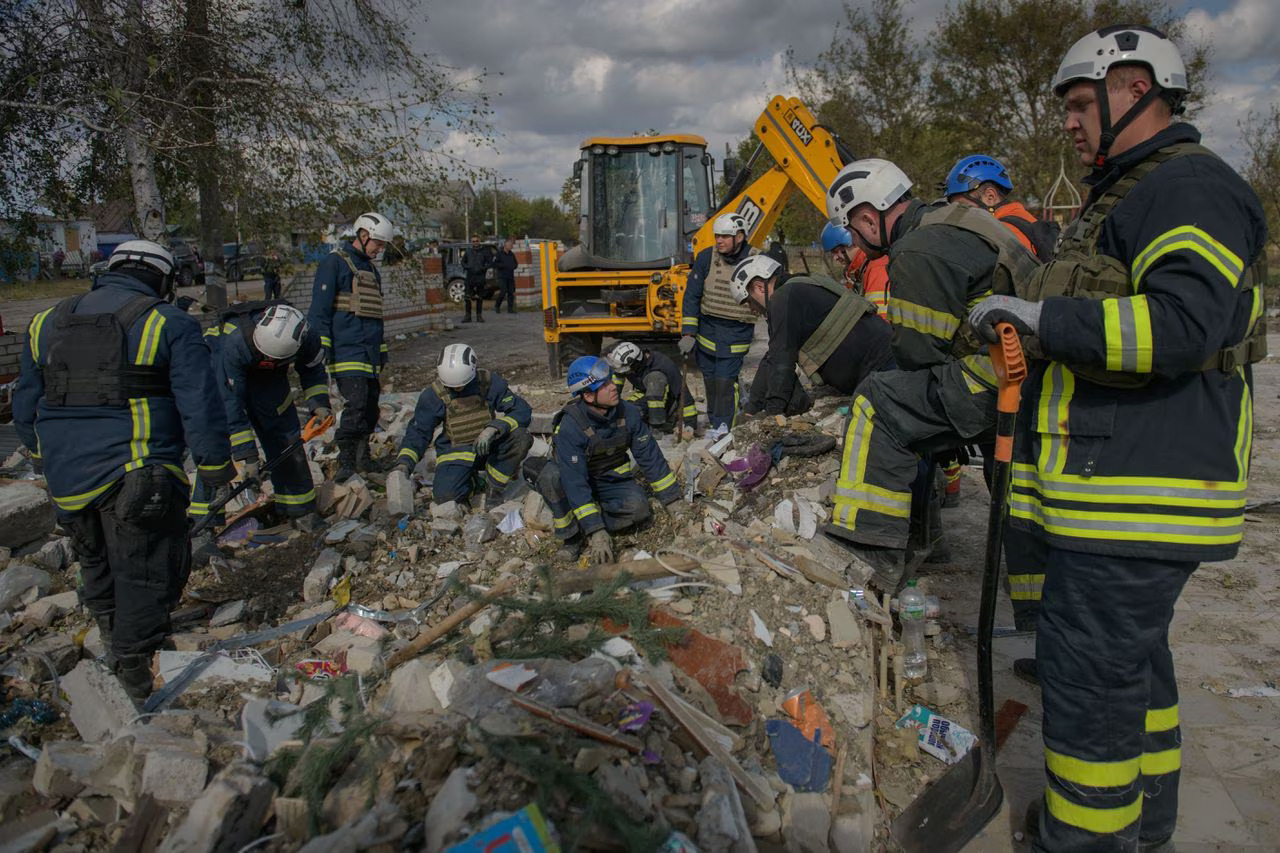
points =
(974, 171)
(833, 236)
(587, 373)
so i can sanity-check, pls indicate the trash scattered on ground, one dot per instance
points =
(938, 736)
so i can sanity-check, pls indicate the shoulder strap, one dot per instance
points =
(850, 307)
(347, 260)
(134, 309)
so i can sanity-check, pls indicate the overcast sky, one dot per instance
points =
(612, 67)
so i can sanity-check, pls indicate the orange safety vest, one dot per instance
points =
(871, 279)
(1015, 210)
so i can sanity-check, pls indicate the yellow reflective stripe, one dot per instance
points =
(1192, 239)
(409, 453)
(586, 510)
(498, 477)
(177, 472)
(1163, 491)
(1128, 527)
(1244, 429)
(874, 498)
(74, 503)
(654, 404)
(563, 521)
(1093, 819)
(666, 482)
(295, 500)
(1126, 327)
(689, 321)
(383, 348)
(706, 343)
(1025, 587)
(467, 456)
(150, 341)
(1162, 719)
(222, 466)
(244, 436)
(918, 318)
(979, 367)
(1056, 391)
(1094, 774)
(325, 342)
(624, 468)
(140, 415)
(351, 367)
(314, 391)
(737, 348)
(1162, 762)
(33, 333)
(510, 421)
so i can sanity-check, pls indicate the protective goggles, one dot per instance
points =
(596, 376)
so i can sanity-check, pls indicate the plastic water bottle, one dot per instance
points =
(911, 614)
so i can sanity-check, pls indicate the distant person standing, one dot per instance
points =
(475, 261)
(271, 277)
(505, 263)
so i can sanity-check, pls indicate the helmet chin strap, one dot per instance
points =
(1110, 131)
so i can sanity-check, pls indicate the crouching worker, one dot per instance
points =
(590, 483)
(484, 430)
(253, 349)
(657, 381)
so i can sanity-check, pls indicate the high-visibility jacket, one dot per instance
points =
(870, 277)
(86, 449)
(1160, 469)
(355, 343)
(487, 400)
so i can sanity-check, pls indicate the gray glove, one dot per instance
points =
(322, 412)
(1023, 315)
(686, 344)
(403, 464)
(221, 492)
(600, 547)
(250, 469)
(485, 440)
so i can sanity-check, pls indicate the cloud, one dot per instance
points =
(1248, 30)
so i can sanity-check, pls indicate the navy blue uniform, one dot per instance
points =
(505, 263)
(591, 482)
(723, 330)
(660, 390)
(456, 463)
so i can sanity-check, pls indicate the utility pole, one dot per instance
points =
(495, 204)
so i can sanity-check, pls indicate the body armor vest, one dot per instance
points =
(365, 298)
(88, 357)
(850, 307)
(603, 454)
(1079, 269)
(717, 299)
(1014, 263)
(465, 417)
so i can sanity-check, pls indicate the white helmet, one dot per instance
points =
(279, 332)
(729, 224)
(457, 365)
(622, 356)
(1091, 56)
(145, 252)
(754, 267)
(378, 226)
(878, 183)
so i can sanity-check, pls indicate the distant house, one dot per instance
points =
(113, 221)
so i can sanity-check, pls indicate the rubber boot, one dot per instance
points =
(134, 672)
(346, 461)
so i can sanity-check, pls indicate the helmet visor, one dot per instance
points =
(596, 376)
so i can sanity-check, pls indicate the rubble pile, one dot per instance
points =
(419, 677)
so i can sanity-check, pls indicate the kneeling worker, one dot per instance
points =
(658, 380)
(829, 332)
(484, 427)
(590, 483)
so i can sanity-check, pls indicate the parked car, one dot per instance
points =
(242, 260)
(455, 277)
(188, 266)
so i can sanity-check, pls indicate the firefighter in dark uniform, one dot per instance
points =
(942, 394)
(346, 311)
(657, 383)
(253, 348)
(476, 261)
(719, 328)
(1131, 460)
(829, 332)
(484, 429)
(590, 482)
(117, 385)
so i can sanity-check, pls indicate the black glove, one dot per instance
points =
(1024, 316)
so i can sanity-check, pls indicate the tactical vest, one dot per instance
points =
(850, 307)
(603, 455)
(717, 299)
(88, 357)
(365, 298)
(1079, 269)
(465, 417)
(1014, 263)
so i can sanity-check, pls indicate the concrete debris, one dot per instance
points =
(65, 767)
(226, 666)
(399, 493)
(448, 811)
(315, 586)
(26, 515)
(22, 584)
(227, 614)
(100, 709)
(54, 555)
(44, 611)
(806, 823)
(227, 816)
(845, 630)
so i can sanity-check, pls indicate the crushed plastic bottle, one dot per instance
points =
(915, 662)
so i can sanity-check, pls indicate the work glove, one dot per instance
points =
(221, 494)
(405, 466)
(686, 344)
(249, 469)
(485, 440)
(678, 510)
(322, 412)
(1023, 315)
(600, 547)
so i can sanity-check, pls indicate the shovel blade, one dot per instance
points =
(954, 809)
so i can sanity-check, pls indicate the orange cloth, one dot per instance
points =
(1015, 210)
(871, 279)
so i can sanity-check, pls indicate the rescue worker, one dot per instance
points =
(719, 328)
(590, 483)
(116, 386)
(505, 265)
(271, 276)
(862, 275)
(484, 429)
(982, 181)
(346, 311)
(1131, 458)
(942, 394)
(658, 383)
(253, 349)
(828, 332)
(475, 261)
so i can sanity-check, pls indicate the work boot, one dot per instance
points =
(888, 565)
(134, 672)
(309, 523)
(1024, 669)
(347, 451)
(479, 317)
(104, 629)
(569, 550)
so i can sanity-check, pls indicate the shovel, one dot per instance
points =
(266, 469)
(956, 807)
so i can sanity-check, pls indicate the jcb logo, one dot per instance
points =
(797, 126)
(750, 212)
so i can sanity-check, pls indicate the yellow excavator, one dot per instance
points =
(647, 209)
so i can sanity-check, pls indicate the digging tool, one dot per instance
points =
(248, 483)
(956, 807)
(315, 426)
